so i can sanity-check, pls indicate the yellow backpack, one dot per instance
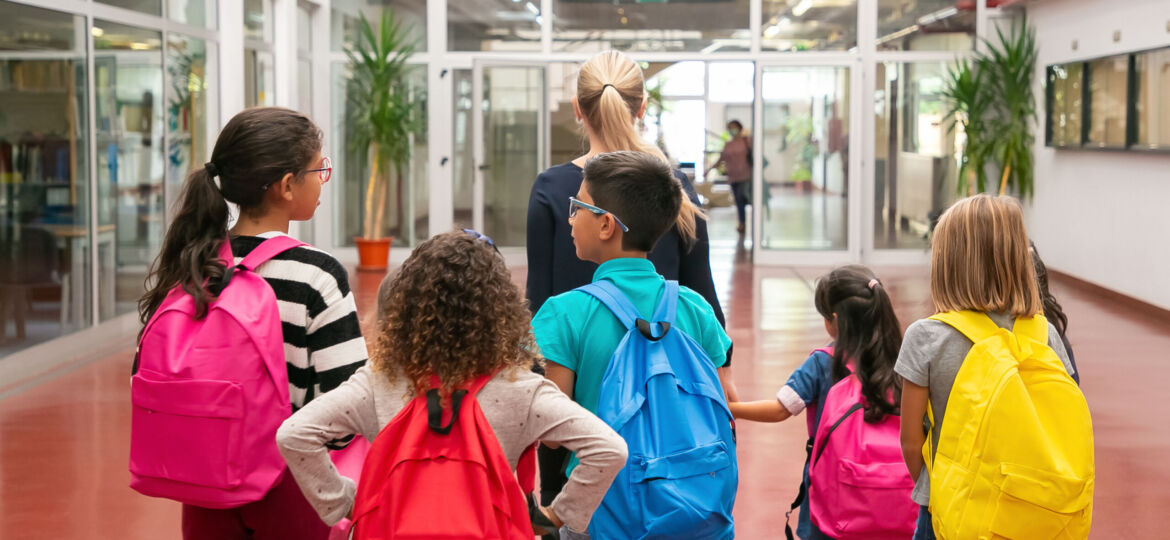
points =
(1015, 454)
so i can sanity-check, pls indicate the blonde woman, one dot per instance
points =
(611, 97)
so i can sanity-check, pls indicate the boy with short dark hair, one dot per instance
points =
(627, 201)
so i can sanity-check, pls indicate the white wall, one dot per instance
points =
(1102, 216)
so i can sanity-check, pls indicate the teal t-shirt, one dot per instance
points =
(577, 331)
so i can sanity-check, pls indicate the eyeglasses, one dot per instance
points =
(326, 170)
(483, 237)
(575, 203)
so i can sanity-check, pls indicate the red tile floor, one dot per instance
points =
(63, 443)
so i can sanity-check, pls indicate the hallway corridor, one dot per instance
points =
(64, 443)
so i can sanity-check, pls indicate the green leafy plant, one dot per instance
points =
(992, 97)
(381, 111)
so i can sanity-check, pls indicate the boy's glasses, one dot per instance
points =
(483, 237)
(326, 170)
(575, 203)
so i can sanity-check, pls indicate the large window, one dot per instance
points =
(1066, 95)
(187, 118)
(808, 25)
(405, 217)
(1114, 103)
(259, 60)
(914, 154)
(346, 18)
(651, 26)
(925, 25)
(494, 25)
(129, 109)
(45, 275)
(1153, 99)
(1107, 101)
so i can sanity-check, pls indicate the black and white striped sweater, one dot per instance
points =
(323, 342)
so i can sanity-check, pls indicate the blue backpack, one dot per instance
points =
(662, 394)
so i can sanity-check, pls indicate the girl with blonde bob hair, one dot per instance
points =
(610, 98)
(980, 262)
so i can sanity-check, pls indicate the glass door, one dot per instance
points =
(806, 179)
(510, 137)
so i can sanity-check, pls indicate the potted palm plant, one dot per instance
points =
(381, 119)
(992, 98)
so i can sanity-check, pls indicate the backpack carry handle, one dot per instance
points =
(435, 410)
(647, 330)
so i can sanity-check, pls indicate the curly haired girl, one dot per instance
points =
(453, 311)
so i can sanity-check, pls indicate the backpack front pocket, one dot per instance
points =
(187, 431)
(1039, 504)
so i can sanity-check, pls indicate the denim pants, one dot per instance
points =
(923, 530)
(740, 191)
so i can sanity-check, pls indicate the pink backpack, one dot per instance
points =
(859, 486)
(208, 394)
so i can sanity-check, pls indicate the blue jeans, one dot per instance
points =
(740, 192)
(923, 530)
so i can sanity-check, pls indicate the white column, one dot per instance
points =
(440, 93)
(284, 51)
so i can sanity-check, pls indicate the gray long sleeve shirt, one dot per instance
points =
(520, 406)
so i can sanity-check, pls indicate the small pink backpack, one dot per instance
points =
(209, 394)
(859, 486)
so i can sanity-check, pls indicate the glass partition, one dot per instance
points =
(808, 25)
(130, 161)
(1066, 99)
(651, 26)
(915, 154)
(188, 126)
(1108, 94)
(494, 25)
(805, 145)
(45, 277)
(1153, 99)
(514, 148)
(925, 25)
(405, 217)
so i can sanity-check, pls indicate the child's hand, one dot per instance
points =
(759, 411)
(552, 516)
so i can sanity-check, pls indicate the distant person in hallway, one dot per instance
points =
(611, 97)
(268, 161)
(859, 319)
(453, 311)
(981, 271)
(1052, 309)
(736, 160)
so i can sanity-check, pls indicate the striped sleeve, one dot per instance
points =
(333, 335)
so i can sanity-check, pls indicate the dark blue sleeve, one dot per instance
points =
(695, 260)
(809, 381)
(540, 244)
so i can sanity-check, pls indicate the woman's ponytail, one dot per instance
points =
(610, 92)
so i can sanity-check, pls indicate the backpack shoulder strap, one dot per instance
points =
(268, 249)
(1035, 327)
(614, 299)
(973, 324)
(668, 304)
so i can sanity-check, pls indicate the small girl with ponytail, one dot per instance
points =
(860, 319)
(268, 162)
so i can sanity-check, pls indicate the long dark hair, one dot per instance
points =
(253, 152)
(1052, 309)
(867, 333)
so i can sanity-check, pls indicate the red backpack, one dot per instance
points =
(422, 479)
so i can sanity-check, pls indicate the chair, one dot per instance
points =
(28, 259)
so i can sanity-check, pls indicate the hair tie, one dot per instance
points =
(609, 85)
(873, 283)
(212, 170)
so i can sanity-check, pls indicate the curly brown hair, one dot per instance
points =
(453, 311)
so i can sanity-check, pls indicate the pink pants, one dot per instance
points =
(283, 514)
